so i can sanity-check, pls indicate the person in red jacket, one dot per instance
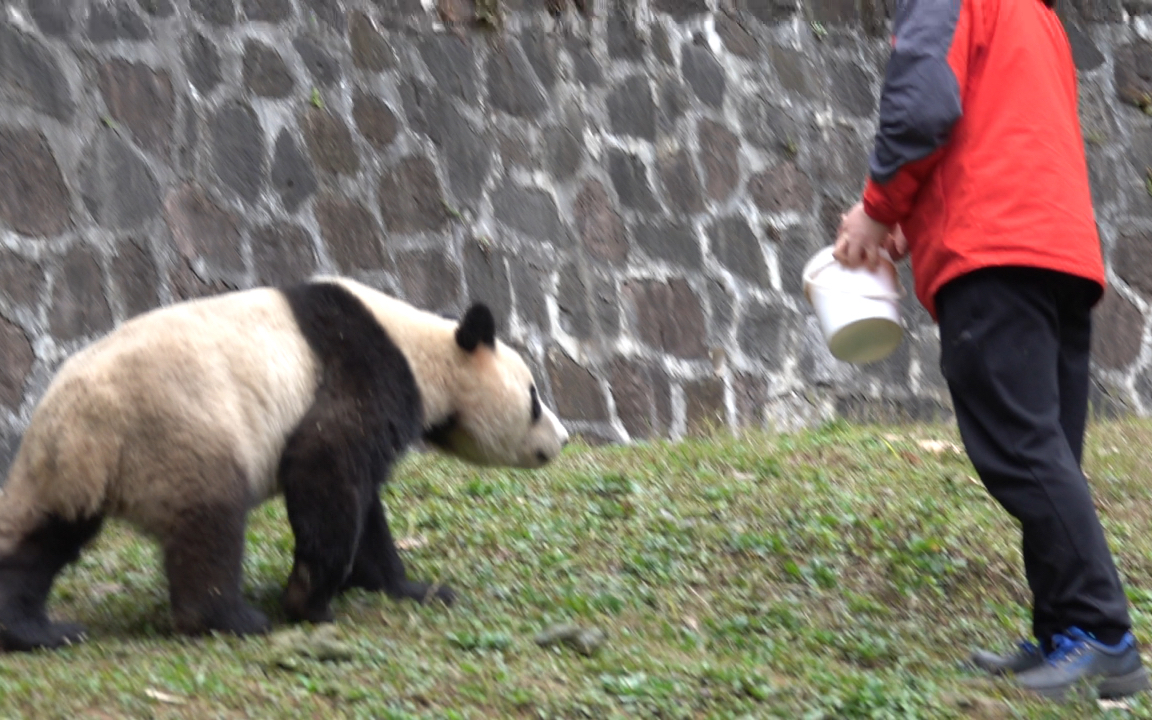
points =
(978, 171)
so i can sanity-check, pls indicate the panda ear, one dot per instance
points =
(477, 327)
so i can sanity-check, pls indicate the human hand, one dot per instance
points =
(896, 244)
(859, 239)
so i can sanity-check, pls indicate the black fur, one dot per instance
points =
(478, 327)
(366, 412)
(26, 577)
(203, 558)
(440, 434)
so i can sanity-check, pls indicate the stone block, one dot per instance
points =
(720, 158)
(630, 180)
(1117, 331)
(451, 61)
(486, 279)
(31, 76)
(766, 334)
(750, 394)
(134, 273)
(564, 153)
(680, 183)
(54, 17)
(781, 188)
(374, 119)
(835, 12)
(704, 74)
(282, 254)
(271, 11)
(891, 410)
(674, 102)
(598, 225)
(681, 9)
(531, 212)
(238, 150)
(722, 304)
(529, 282)
(575, 389)
(79, 303)
(512, 85)
(1132, 73)
(572, 303)
(202, 62)
(203, 231)
(852, 89)
(21, 281)
(411, 199)
(330, 142)
(157, 8)
(265, 73)
(631, 110)
(466, 152)
(671, 242)
(1132, 260)
(324, 69)
(221, 13)
(737, 248)
(541, 51)
(662, 44)
(430, 279)
(116, 184)
(622, 37)
(351, 235)
(641, 394)
(736, 37)
(16, 358)
(704, 408)
(329, 12)
(770, 12)
(115, 21)
(370, 51)
(141, 99)
(587, 67)
(667, 316)
(33, 197)
(292, 175)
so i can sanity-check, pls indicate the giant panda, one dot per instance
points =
(183, 419)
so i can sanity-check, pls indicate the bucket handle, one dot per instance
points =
(809, 279)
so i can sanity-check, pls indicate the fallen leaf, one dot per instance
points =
(409, 543)
(164, 697)
(938, 446)
(1114, 705)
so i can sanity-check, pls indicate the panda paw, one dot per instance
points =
(423, 592)
(36, 634)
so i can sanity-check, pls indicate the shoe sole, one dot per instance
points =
(1123, 685)
(1108, 688)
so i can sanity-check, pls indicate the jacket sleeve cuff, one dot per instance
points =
(877, 206)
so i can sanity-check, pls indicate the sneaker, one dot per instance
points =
(1076, 656)
(1027, 656)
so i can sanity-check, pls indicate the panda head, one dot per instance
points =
(497, 416)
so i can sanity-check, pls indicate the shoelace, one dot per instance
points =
(1062, 647)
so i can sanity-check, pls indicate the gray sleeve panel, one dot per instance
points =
(920, 101)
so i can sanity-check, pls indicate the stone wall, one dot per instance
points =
(633, 186)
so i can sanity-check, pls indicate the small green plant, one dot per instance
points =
(819, 30)
(488, 12)
(1148, 180)
(315, 99)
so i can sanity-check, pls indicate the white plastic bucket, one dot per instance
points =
(858, 309)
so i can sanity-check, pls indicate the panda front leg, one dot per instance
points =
(378, 565)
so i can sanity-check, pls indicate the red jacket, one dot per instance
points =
(979, 155)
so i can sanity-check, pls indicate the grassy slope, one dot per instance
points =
(841, 572)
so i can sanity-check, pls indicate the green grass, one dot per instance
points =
(837, 573)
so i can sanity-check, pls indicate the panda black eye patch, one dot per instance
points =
(535, 403)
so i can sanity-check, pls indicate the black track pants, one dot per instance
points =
(1014, 350)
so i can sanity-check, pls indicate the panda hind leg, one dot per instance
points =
(26, 577)
(203, 558)
(378, 566)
